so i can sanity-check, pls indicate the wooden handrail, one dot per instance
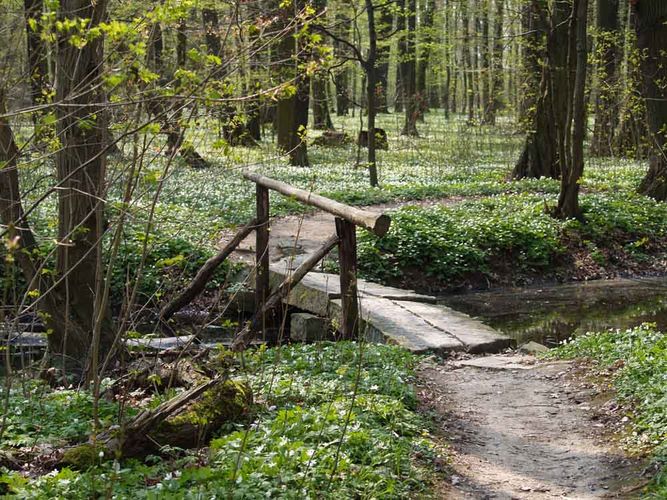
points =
(378, 224)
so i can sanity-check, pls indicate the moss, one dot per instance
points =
(226, 402)
(83, 456)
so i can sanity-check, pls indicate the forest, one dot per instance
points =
(333, 249)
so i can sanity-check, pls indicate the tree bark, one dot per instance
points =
(401, 15)
(608, 38)
(384, 28)
(292, 111)
(568, 199)
(535, 26)
(543, 150)
(371, 91)
(81, 169)
(651, 27)
(409, 72)
(467, 63)
(37, 52)
(494, 102)
(425, 49)
(319, 95)
(341, 78)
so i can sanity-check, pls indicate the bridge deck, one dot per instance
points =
(397, 316)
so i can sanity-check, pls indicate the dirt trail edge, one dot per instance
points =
(521, 429)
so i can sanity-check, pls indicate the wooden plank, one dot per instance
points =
(347, 256)
(378, 224)
(205, 273)
(262, 287)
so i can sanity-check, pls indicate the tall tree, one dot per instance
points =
(371, 90)
(467, 62)
(80, 170)
(494, 101)
(403, 54)
(426, 50)
(292, 112)
(573, 164)
(651, 27)
(608, 41)
(341, 77)
(319, 96)
(409, 72)
(542, 152)
(383, 28)
(37, 52)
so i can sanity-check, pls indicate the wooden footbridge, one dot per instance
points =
(358, 308)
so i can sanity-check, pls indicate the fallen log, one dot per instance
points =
(186, 421)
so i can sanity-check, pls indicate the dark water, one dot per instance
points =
(551, 314)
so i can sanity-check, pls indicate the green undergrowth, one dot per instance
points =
(332, 420)
(449, 160)
(636, 362)
(511, 236)
(37, 415)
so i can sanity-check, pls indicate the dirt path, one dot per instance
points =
(523, 431)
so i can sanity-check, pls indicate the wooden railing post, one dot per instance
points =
(262, 289)
(347, 256)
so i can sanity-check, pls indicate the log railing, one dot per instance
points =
(347, 218)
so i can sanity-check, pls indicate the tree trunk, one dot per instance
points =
(483, 41)
(80, 168)
(212, 31)
(408, 70)
(542, 153)
(371, 91)
(321, 116)
(425, 49)
(37, 55)
(341, 78)
(568, 199)
(292, 112)
(608, 38)
(494, 101)
(651, 27)
(467, 65)
(383, 28)
(534, 26)
(319, 95)
(401, 14)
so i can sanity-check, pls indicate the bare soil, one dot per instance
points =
(524, 430)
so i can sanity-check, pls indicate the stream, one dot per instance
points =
(551, 314)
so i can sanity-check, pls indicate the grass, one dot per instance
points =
(331, 420)
(636, 362)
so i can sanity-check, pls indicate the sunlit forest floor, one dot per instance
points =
(337, 420)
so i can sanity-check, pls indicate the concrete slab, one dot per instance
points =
(475, 335)
(160, 343)
(397, 316)
(513, 362)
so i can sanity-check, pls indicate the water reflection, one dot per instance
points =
(551, 314)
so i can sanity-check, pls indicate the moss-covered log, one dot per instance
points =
(186, 421)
